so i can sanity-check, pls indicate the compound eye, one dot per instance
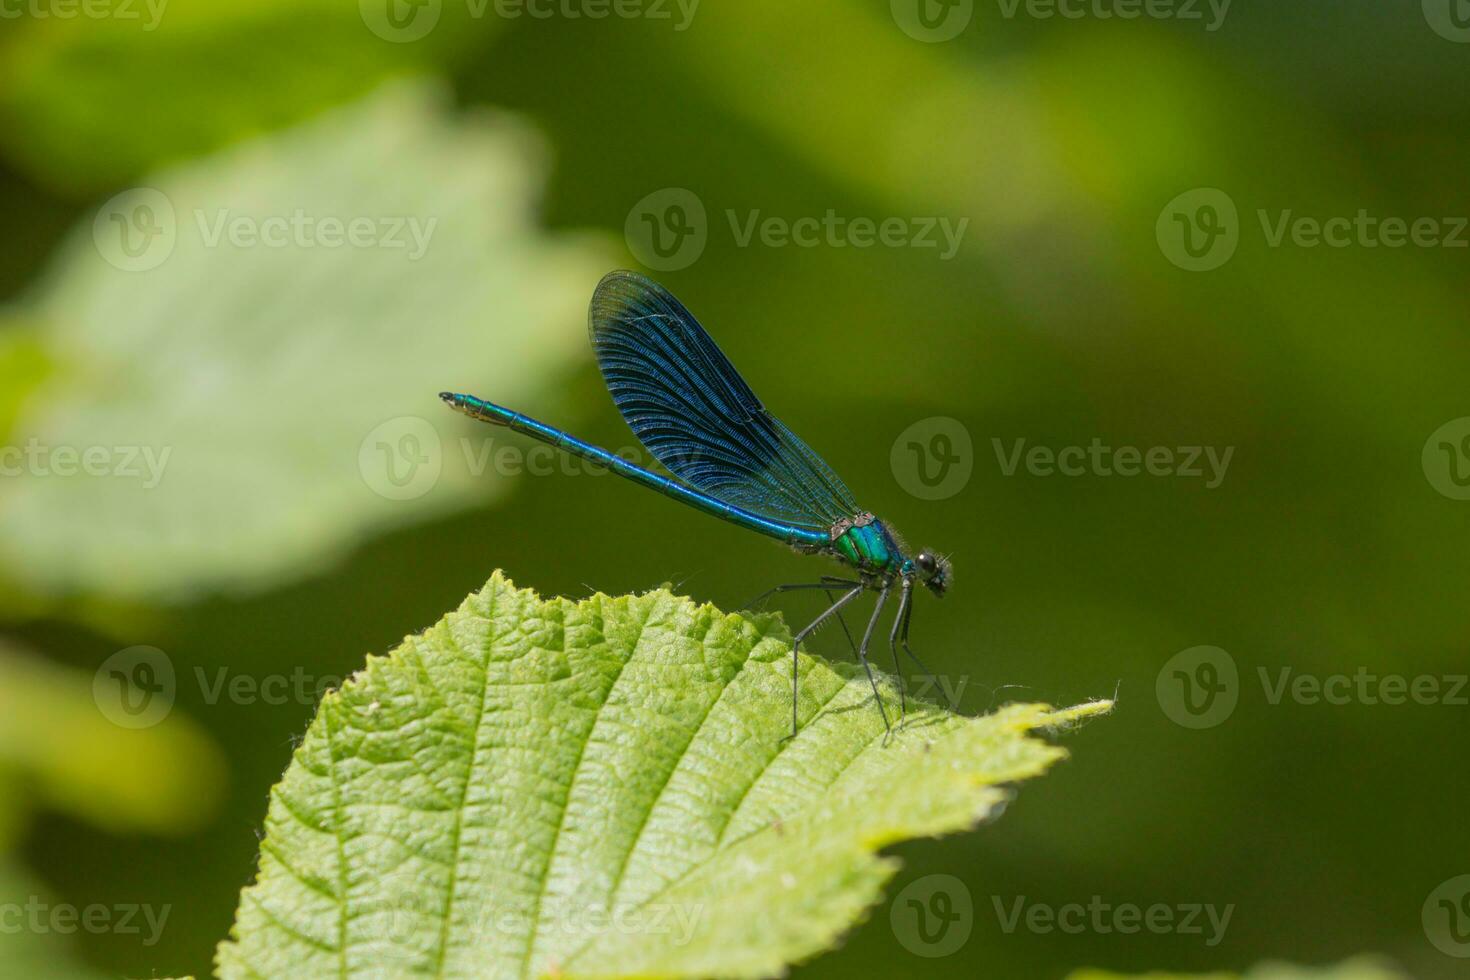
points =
(926, 563)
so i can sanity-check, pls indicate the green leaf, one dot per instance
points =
(157, 82)
(1358, 968)
(58, 749)
(603, 788)
(22, 367)
(252, 394)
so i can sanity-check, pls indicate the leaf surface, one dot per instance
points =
(242, 360)
(603, 788)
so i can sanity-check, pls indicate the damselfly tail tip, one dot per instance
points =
(460, 403)
(475, 408)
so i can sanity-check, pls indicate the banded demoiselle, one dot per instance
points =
(733, 459)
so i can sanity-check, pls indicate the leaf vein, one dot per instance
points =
(491, 636)
(535, 919)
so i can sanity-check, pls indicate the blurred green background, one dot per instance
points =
(283, 379)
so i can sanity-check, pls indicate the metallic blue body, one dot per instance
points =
(798, 537)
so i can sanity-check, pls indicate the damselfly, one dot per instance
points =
(733, 459)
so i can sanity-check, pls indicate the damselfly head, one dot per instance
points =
(934, 571)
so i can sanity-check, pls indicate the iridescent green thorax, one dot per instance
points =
(864, 541)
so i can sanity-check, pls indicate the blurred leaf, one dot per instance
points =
(58, 748)
(256, 405)
(1358, 968)
(27, 953)
(156, 82)
(23, 366)
(603, 787)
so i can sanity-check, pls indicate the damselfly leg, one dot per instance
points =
(903, 641)
(863, 656)
(810, 628)
(827, 585)
(899, 618)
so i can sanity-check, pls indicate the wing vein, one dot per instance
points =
(690, 408)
